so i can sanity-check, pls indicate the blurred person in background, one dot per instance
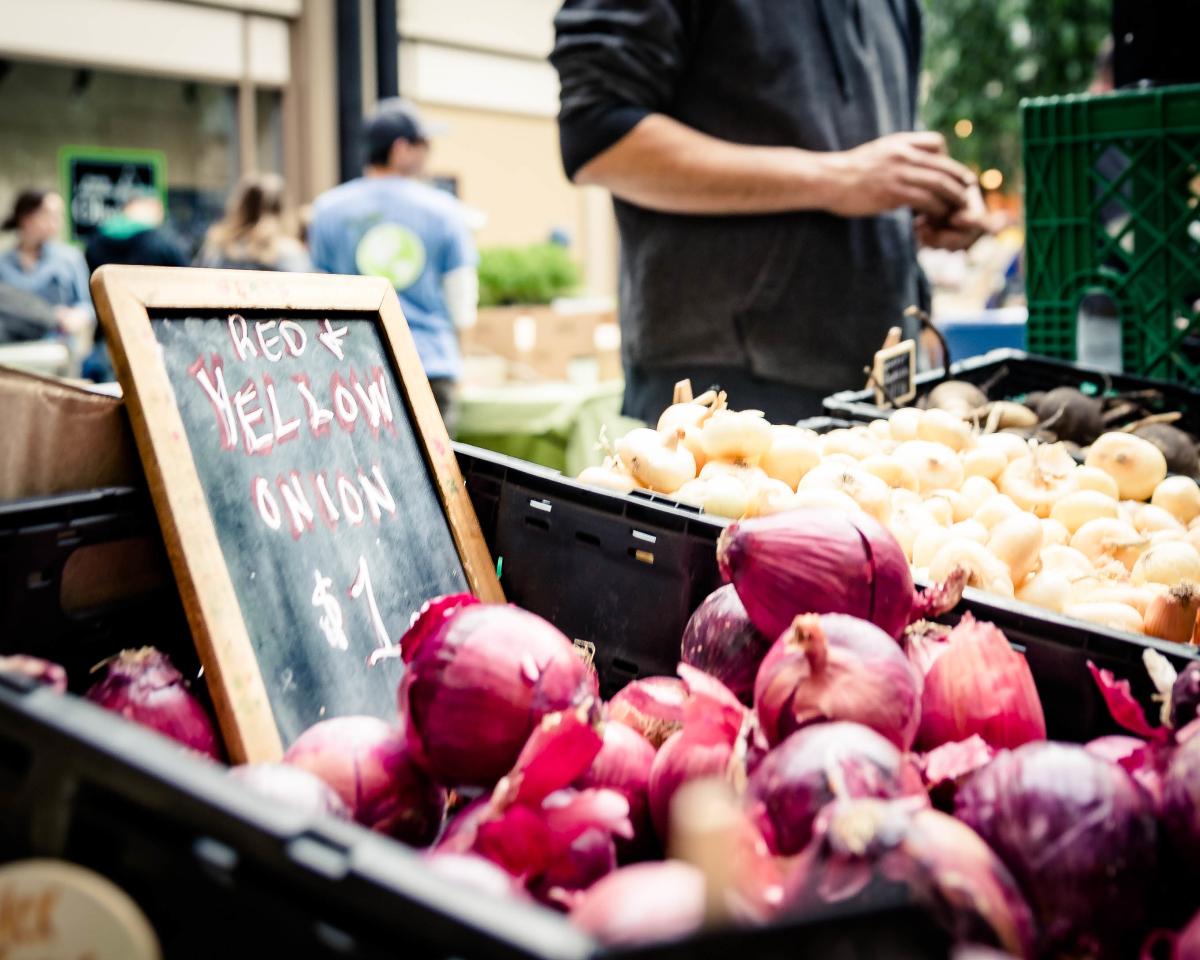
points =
(769, 187)
(133, 236)
(136, 236)
(387, 223)
(256, 232)
(53, 271)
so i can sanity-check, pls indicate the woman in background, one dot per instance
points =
(255, 233)
(42, 265)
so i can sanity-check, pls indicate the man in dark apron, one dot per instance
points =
(768, 185)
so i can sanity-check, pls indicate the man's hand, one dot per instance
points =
(961, 229)
(899, 170)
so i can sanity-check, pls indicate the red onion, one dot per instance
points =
(976, 684)
(814, 561)
(866, 851)
(643, 903)
(817, 765)
(1145, 762)
(944, 769)
(623, 764)
(1078, 835)
(1187, 947)
(557, 840)
(1181, 805)
(292, 787)
(720, 640)
(713, 719)
(144, 686)
(370, 765)
(35, 668)
(837, 668)
(479, 678)
(652, 706)
(1185, 696)
(474, 873)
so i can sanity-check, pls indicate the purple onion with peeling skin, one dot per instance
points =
(1181, 806)
(1185, 696)
(144, 686)
(292, 787)
(479, 678)
(1080, 837)
(623, 764)
(35, 668)
(817, 765)
(653, 706)
(720, 640)
(370, 766)
(474, 873)
(867, 852)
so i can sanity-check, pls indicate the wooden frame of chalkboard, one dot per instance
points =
(130, 302)
(893, 374)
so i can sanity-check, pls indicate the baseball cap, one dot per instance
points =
(396, 119)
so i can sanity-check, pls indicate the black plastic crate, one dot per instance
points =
(1013, 373)
(571, 555)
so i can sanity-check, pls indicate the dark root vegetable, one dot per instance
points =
(1071, 415)
(956, 397)
(292, 787)
(144, 686)
(370, 766)
(1178, 447)
(1080, 837)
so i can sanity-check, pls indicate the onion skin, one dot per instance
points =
(979, 685)
(479, 678)
(1079, 836)
(144, 686)
(293, 787)
(1185, 696)
(643, 903)
(944, 769)
(720, 640)
(369, 764)
(1172, 615)
(653, 706)
(1181, 806)
(623, 764)
(837, 668)
(817, 765)
(868, 851)
(812, 561)
(45, 672)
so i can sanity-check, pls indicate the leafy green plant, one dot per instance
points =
(526, 275)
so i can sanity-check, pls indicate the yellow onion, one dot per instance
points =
(1012, 446)
(856, 442)
(865, 489)
(1172, 615)
(792, 453)
(722, 495)
(891, 471)
(1078, 507)
(937, 466)
(1055, 532)
(735, 435)
(938, 426)
(1169, 563)
(611, 475)
(1068, 561)
(1179, 496)
(1016, 542)
(998, 508)
(983, 569)
(1048, 589)
(1118, 616)
(1036, 482)
(1093, 478)
(1106, 539)
(1137, 465)
(659, 463)
(827, 499)
(903, 423)
(984, 461)
(1148, 519)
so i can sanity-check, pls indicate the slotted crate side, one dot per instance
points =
(1111, 206)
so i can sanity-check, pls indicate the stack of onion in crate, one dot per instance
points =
(1113, 541)
(861, 752)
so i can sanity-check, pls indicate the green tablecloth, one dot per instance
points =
(554, 424)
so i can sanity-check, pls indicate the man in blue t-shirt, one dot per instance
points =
(387, 223)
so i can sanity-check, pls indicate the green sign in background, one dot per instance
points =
(96, 181)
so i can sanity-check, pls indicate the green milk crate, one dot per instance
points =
(1112, 207)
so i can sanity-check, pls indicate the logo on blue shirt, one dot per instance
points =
(392, 251)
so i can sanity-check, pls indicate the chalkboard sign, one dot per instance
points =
(893, 375)
(307, 490)
(97, 182)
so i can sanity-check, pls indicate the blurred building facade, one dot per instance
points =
(221, 87)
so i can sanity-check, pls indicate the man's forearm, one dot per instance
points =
(664, 165)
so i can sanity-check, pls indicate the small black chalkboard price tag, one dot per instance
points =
(893, 375)
(308, 494)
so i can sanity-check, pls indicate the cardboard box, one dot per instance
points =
(57, 437)
(546, 342)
